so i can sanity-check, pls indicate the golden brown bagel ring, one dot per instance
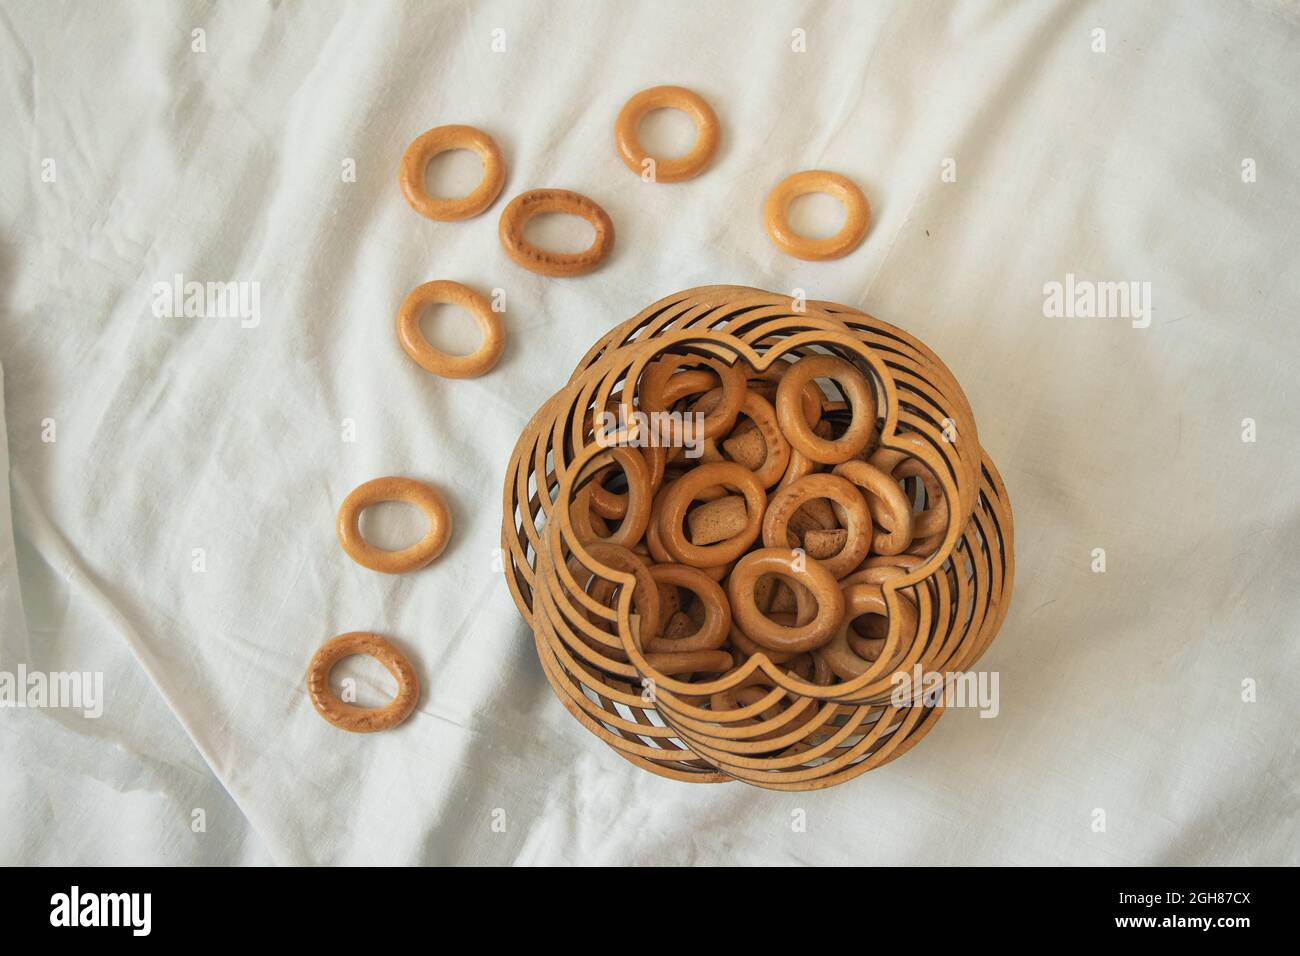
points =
(857, 215)
(712, 634)
(691, 662)
(361, 720)
(763, 630)
(434, 360)
(394, 489)
(801, 466)
(934, 519)
(766, 382)
(678, 497)
(438, 140)
(759, 411)
(655, 545)
(539, 202)
(612, 504)
(889, 506)
(789, 408)
(667, 97)
(661, 385)
(783, 505)
(645, 591)
(862, 599)
(636, 513)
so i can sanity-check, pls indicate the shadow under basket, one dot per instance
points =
(763, 722)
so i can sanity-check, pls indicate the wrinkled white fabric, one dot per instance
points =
(177, 534)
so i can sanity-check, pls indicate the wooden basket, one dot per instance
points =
(799, 734)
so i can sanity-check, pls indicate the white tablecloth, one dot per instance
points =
(176, 535)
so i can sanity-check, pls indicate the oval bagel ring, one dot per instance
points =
(857, 215)
(890, 509)
(539, 202)
(759, 411)
(677, 498)
(393, 488)
(841, 652)
(713, 631)
(783, 505)
(662, 385)
(862, 398)
(645, 590)
(639, 500)
(766, 632)
(612, 505)
(440, 139)
(693, 105)
(361, 720)
(437, 361)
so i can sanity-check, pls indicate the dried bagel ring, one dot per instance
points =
(857, 215)
(645, 592)
(902, 563)
(636, 514)
(361, 720)
(682, 385)
(678, 497)
(691, 662)
(538, 202)
(839, 653)
(759, 411)
(587, 524)
(783, 505)
(712, 633)
(763, 630)
(801, 466)
(438, 140)
(613, 504)
(889, 506)
(693, 105)
(767, 381)
(861, 395)
(655, 545)
(393, 488)
(662, 385)
(692, 381)
(434, 360)
(925, 545)
(877, 574)
(934, 519)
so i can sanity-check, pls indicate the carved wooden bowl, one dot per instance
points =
(777, 721)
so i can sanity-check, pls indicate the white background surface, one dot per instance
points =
(1120, 691)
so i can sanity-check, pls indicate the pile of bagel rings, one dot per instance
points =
(526, 206)
(740, 522)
